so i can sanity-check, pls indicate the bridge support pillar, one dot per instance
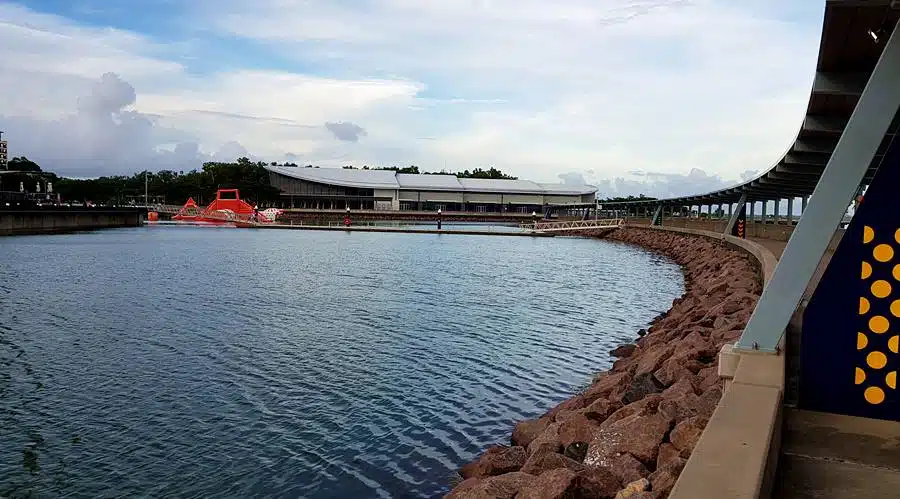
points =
(790, 213)
(753, 211)
(733, 218)
(803, 202)
(777, 209)
(657, 216)
(765, 205)
(843, 174)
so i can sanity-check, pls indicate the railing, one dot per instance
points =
(608, 223)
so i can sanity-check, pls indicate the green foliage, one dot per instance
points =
(620, 199)
(476, 173)
(251, 178)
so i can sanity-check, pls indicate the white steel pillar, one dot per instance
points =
(842, 176)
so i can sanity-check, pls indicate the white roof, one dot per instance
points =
(388, 179)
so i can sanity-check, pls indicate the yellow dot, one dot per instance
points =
(860, 376)
(874, 395)
(863, 305)
(897, 235)
(891, 379)
(862, 341)
(879, 324)
(867, 271)
(868, 234)
(876, 360)
(894, 343)
(881, 288)
(883, 253)
(895, 308)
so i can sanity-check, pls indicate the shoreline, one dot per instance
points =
(631, 431)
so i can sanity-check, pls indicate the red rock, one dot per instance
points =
(634, 489)
(600, 409)
(463, 486)
(681, 387)
(648, 405)
(709, 400)
(641, 386)
(597, 483)
(578, 428)
(623, 351)
(547, 441)
(652, 360)
(544, 461)
(686, 433)
(497, 487)
(661, 481)
(681, 408)
(670, 372)
(639, 436)
(528, 430)
(627, 468)
(667, 452)
(571, 404)
(708, 378)
(554, 484)
(495, 461)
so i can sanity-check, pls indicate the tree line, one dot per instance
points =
(475, 173)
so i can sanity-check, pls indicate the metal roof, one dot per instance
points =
(388, 179)
(847, 57)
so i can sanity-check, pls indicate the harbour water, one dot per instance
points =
(202, 362)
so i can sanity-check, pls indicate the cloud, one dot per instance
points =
(348, 132)
(543, 91)
(572, 178)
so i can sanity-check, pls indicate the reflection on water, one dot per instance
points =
(173, 361)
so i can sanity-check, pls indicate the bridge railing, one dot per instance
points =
(574, 224)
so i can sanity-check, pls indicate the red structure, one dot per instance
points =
(227, 208)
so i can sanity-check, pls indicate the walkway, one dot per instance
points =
(830, 456)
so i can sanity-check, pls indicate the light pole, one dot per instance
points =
(534, 218)
(347, 216)
(146, 203)
(439, 219)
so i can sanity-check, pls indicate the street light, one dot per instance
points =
(439, 219)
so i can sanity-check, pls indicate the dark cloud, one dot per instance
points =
(346, 131)
(105, 137)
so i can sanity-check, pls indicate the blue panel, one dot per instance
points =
(851, 328)
(740, 225)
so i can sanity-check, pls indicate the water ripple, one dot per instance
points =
(225, 363)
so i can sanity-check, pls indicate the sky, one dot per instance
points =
(654, 97)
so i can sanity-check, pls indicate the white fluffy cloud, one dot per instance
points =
(600, 91)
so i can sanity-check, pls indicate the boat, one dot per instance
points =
(228, 208)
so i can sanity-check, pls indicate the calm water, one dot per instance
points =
(196, 362)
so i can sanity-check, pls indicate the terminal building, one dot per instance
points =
(338, 188)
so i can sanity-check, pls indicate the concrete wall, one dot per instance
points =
(777, 232)
(24, 222)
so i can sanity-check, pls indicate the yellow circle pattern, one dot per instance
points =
(876, 359)
(879, 324)
(874, 395)
(868, 234)
(881, 289)
(861, 341)
(883, 253)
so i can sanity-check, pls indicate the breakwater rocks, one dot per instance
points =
(629, 433)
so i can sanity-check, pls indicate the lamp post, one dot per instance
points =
(534, 218)
(439, 219)
(347, 216)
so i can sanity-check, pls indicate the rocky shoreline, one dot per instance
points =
(629, 434)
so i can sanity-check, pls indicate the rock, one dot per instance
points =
(547, 441)
(576, 451)
(652, 360)
(648, 405)
(495, 461)
(674, 465)
(639, 436)
(526, 431)
(667, 452)
(708, 401)
(627, 468)
(600, 409)
(681, 408)
(604, 385)
(641, 332)
(662, 481)
(623, 351)
(597, 483)
(634, 488)
(496, 487)
(641, 386)
(463, 486)
(686, 434)
(571, 404)
(554, 484)
(671, 371)
(681, 387)
(708, 378)
(543, 461)
(577, 428)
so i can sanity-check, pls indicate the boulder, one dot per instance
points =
(641, 386)
(667, 452)
(547, 441)
(461, 487)
(623, 351)
(709, 400)
(601, 409)
(604, 386)
(633, 489)
(597, 483)
(544, 461)
(577, 428)
(637, 435)
(652, 360)
(681, 408)
(681, 387)
(495, 487)
(648, 405)
(686, 434)
(495, 461)
(554, 484)
(570, 404)
(526, 431)
(627, 468)
(662, 481)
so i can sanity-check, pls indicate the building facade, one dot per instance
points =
(337, 188)
(4, 155)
